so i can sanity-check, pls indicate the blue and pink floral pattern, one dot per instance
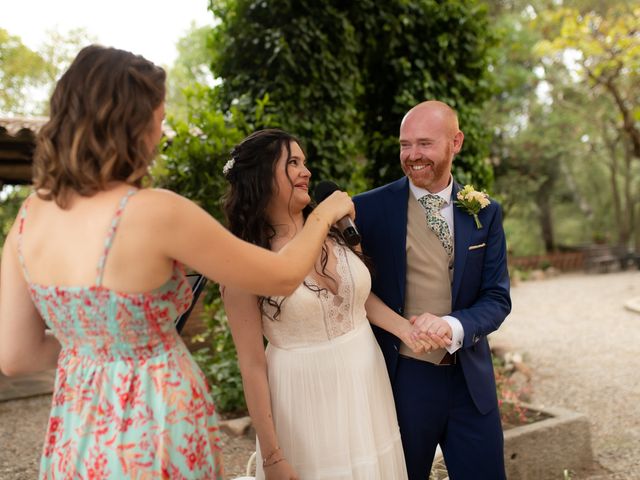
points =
(129, 401)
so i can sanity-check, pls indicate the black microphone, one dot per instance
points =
(345, 224)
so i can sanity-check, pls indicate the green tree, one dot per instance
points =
(27, 77)
(414, 51)
(190, 72)
(302, 56)
(21, 70)
(341, 75)
(606, 49)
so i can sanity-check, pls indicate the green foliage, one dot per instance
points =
(189, 72)
(27, 75)
(219, 362)
(561, 148)
(191, 161)
(341, 76)
(21, 69)
(608, 56)
(10, 203)
(301, 55)
(414, 51)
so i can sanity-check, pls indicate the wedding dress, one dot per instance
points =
(331, 397)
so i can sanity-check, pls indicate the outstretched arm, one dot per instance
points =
(191, 236)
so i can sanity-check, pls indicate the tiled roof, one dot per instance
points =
(15, 125)
(17, 142)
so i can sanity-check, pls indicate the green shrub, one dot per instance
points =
(218, 360)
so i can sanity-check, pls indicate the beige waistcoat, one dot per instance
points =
(429, 275)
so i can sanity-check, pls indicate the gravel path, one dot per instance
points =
(582, 345)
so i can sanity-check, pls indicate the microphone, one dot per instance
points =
(345, 224)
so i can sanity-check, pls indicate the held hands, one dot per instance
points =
(335, 206)
(429, 332)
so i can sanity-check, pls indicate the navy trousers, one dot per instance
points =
(434, 407)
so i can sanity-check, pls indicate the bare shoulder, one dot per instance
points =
(160, 196)
(160, 204)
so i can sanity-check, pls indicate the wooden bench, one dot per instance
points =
(629, 259)
(602, 263)
(605, 258)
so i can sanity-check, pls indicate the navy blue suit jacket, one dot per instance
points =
(480, 288)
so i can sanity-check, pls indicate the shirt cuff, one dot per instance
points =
(457, 333)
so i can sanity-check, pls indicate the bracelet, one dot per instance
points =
(265, 460)
(272, 463)
(320, 219)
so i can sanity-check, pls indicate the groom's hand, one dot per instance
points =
(432, 331)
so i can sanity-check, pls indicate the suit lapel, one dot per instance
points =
(396, 215)
(463, 226)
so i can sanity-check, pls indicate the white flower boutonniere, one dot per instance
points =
(472, 201)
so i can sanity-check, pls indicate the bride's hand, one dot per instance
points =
(409, 337)
(280, 471)
(335, 206)
(431, 331)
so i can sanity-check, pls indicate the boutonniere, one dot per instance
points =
(472, 201)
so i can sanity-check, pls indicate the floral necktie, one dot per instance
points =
(436, 222)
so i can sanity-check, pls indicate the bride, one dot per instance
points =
(319, 396)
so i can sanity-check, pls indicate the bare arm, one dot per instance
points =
(246, 328)
(25, 347)
(193, 237)
(382, 316)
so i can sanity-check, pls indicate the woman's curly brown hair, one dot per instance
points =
(101, 113)
(251, 187)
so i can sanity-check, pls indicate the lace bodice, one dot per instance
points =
(308, 317)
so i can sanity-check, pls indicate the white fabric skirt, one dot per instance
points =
(333, 410)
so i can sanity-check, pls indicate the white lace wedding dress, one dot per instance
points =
(331, 397)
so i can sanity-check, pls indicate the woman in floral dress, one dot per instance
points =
(92, 279)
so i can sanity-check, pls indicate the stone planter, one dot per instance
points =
(546, 448)
(541, 450)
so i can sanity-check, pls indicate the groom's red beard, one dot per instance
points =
(434, 173)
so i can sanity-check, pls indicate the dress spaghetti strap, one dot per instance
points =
(112, 231)
(22, 216)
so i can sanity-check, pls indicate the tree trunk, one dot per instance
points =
(620, 220)
(629, 218)
(545, 215)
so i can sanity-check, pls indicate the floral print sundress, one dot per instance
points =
(129, 402)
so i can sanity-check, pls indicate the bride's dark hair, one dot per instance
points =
(251, 172)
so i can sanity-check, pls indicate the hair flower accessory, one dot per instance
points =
(472, 201)
(228, 166)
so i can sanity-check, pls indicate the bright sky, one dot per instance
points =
(147, 27)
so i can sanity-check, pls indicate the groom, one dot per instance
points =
(431, 261)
